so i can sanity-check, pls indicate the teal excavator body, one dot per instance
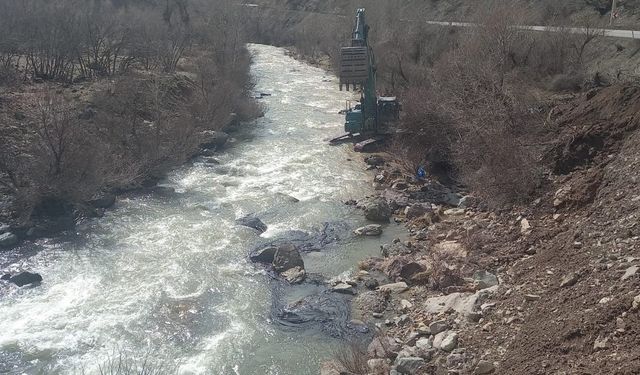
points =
(371, 114)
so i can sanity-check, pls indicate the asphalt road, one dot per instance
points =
(627, 34)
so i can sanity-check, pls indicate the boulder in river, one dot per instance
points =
(377, 210)
(25, 278)
(7, 240)
(286, 257)
(263, 255)
(344, 288)
(252, 221)
(369, 230)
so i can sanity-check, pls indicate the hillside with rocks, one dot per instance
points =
(547, 287)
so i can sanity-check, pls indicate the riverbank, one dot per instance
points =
(101, 99)
(105, 143)
(170, 274)
(533, 288)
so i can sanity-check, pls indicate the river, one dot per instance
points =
(167, 277)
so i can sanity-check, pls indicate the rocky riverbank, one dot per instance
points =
(551, 286)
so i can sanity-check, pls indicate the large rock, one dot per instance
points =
(286, 257)
(377, 210)
(409, 365)
(8, 239)
(438, 326)
(416, 210)
(369, 230)
(26, 278)
(462, 303)
(404, 267)
(264, 255)
(344, 288)
(395, 199)
(446, 341)
(252, 221)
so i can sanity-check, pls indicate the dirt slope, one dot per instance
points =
(568, 298)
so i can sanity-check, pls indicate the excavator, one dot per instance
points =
(368, 121)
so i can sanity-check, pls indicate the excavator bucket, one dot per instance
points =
(354, 66)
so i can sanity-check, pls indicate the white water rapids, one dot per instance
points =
(168, 277)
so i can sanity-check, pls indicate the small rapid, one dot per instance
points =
(167, 276)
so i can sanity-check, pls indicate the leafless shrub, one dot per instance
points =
(353, 358)
(149, 116)
(122, 363)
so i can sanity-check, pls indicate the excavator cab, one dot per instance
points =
(388, 109)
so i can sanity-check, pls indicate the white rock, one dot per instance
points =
(454, 212)
(630, 272)
(525, 227)
(462, 303)
(405, 305)
(446, 341)
(605, 300)
(369, 230)
(423, 344)
(600, 343)
(344, 288)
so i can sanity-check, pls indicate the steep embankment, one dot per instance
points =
(549, 287)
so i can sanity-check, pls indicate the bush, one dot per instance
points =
(172, 75)
(353, 358)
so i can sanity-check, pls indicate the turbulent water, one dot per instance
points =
(167, 277)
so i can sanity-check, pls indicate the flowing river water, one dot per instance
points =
(167, 277)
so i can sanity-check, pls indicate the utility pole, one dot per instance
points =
(613, 11)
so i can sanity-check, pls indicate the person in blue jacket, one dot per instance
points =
(421, 174)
